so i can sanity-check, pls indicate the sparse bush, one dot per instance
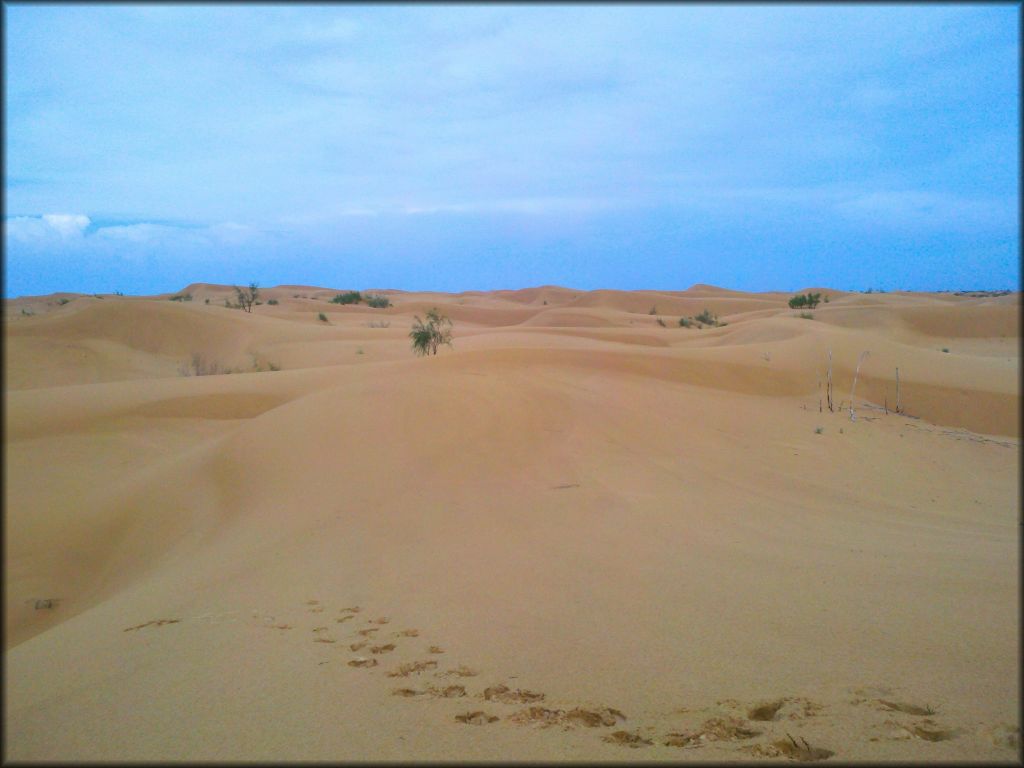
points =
(62, 302)
(809, 300)
(652, 311)
(428, 336)
(378, 302)
(197, 366)
(351, 297)
(246, 297)
(379, 324)
(819, 430)
(806, 315)
(207, 301)
(181, 297)
(272, 302)
(707, 317)
(322, 317)
(826, 298)
(945, 349)
(685, 322)
(662, 323)
(27, 313)
(359, 351)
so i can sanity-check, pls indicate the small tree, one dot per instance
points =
(428, 336)
(247, 296)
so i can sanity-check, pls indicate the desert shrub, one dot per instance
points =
(181, 297)
(27, 313)
(652, 311)
(207, 301)
(805, 300)
(685, 322)
(706, 317)
(806, 315)
(945, 349)
(246, 297)
(62, 302)
(428, 336)
(198, 366)
(379, 324)
(322, 317)
(351, 297)
(378, 302)
(662, 323)
(118, 293)
(272, 302)
(826, 298)
(819, 430)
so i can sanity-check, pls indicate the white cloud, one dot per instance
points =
(50, 227)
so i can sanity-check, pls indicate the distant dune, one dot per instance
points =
(657, 539)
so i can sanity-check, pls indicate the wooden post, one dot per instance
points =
(853, 416)
(828, 389)
(897, 389)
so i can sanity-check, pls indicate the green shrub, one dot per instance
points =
(351, 297)
(706, 317)
(805, 300)
(945, 349)
(62, 302)
(685, 322)
(378, 302)
(322, 317)
(272, 302)
(806, 315)
(428, 336)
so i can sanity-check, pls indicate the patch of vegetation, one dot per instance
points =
(806, 315)
(809, 300)
(207, 301)
(707, 317)
(379, 324)
(351, 297)
(97, 296)
(378, 302)
(662, 323)
(322, 317)
(246, 297)
(199, 366)
(685, 322)
(945, 349)
(62, 302)
(118, 293)
(826, 298)
(272, 302)
(428, 336)
(359, 351)
(26, 312)
(652, 311)
(819, 430)
(181, 297)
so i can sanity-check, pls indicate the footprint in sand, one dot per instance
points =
(476, 718)
(358, 646)
(461, 671)
(381, 620)
(766, 710)
(713, 729)
(363, 662)
(367, 632)
(353, 609)
(382, 648)
(544, 717)
(435, 649)
(323, 640)
(412, 668)
(344, 619)
(790, 748)
(506, 695)
(319, 629)
(627, 739)
(409, 633)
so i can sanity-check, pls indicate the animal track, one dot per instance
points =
(765, 711)
(505, 695)
(323, 640)
(382, 648)
(381, 620)
(354, 609)
(627, 739)
(357, 646)
(363, 662)
(414, 667)
(791, 749)
(409, 633)
(460, 671)
(154, 623)
(368, 632)
(476, 718)
(435, 649)
(714, 729)
(345, 618)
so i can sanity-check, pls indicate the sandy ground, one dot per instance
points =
(622, 540)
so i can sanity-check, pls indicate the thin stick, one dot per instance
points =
(865, 353)
(819, 394)
(897, 389)
(829, 388)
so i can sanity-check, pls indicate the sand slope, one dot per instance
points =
(654, 527)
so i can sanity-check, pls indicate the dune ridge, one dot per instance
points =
(578, 533)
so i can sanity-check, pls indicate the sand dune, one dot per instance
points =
(623, 540)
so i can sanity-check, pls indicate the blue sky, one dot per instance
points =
(433, 147)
